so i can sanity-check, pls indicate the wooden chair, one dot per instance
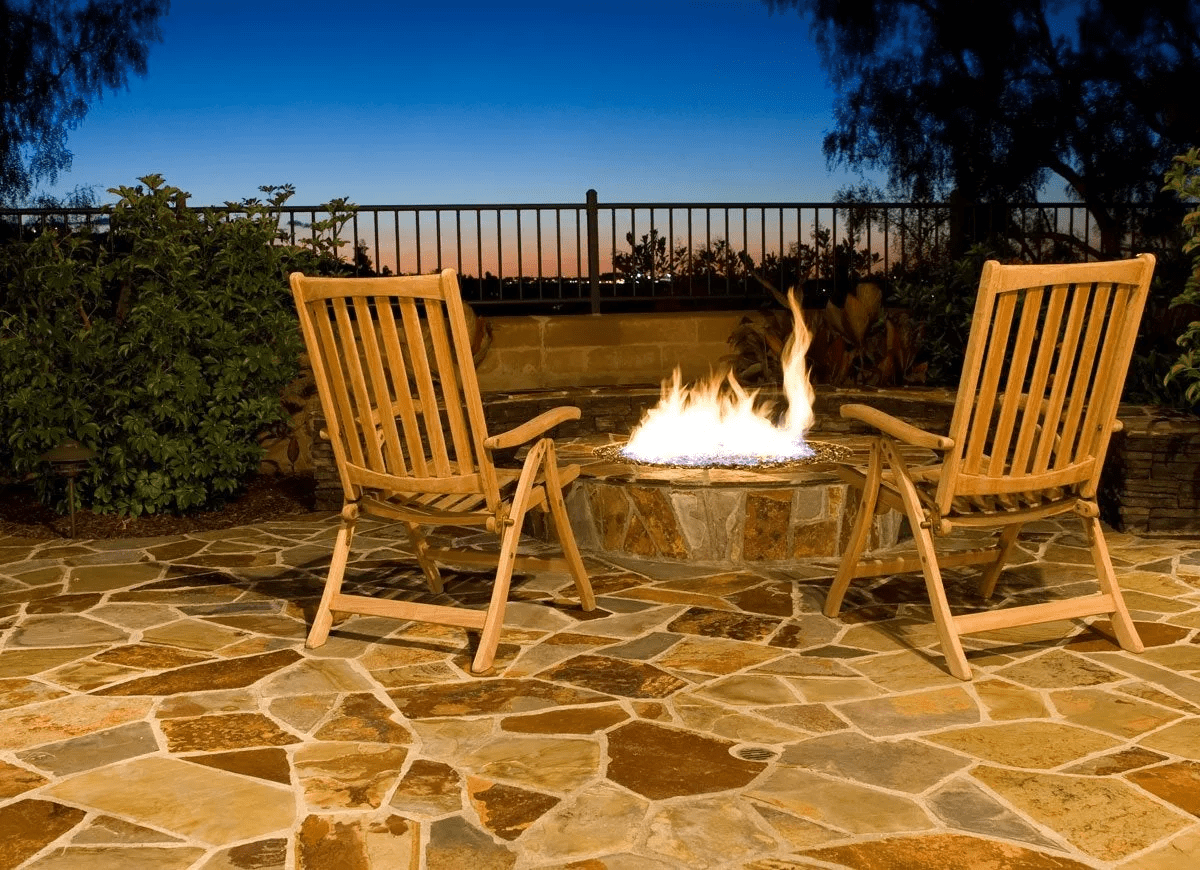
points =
(1045, 364)
(392, 361)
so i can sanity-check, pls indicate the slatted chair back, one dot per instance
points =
(393, 364)
(1045, 365)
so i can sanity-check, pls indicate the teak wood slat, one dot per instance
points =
(1011, 402)
(392, 361)
(1044, 367)
(403, 407)
(1031, 422)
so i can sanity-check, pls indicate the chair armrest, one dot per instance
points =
(895, 427)
(531, 429)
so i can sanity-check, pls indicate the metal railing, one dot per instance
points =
(593, 257)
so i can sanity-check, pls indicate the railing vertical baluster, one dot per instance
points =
(708, 247)
(745, 244)
(887, 233)
(520, 259)
(437, 233)
(538, 224)
(780, 279)
(671, 250)
(395, 231)
(818, 252)
(499, 255)
(870, 252)
(762, 239)
(833, 240)
(375, 259)
(458, 239)
(593, 248)
(691, 243)
(728, 247)
(479, 253)
(579, 271)
(417, 238)
(631, 237)
(650, 244)
(612, 239)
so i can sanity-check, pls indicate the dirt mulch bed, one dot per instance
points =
(266, 497)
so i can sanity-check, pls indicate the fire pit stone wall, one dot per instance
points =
(714, 516)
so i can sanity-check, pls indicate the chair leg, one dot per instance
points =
(563, 531)
(859, 533)
(1127, 634)
(429, 568)
(323, 620)
(489, 638)
(952, 649)
(1008, 538)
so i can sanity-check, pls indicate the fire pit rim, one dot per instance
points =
(824, 452)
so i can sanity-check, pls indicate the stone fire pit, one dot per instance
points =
(718, 516)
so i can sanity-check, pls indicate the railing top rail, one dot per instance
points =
(64, 209)
(845, 205)
(506, 206)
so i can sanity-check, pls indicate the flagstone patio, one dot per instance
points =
(158, 709)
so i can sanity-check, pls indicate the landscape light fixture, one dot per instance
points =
(68, 460)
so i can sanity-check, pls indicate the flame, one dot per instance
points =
(719, 422)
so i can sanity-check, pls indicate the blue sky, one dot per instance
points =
(471, 102)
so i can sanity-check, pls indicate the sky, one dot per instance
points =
(471, 103)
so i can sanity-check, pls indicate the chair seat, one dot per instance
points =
(969, 508)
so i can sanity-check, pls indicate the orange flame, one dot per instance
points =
(719, 422)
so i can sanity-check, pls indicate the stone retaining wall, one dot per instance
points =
(1151, 482)
(535, 352)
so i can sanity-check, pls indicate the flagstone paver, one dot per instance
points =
(212, 806)
(158, 709)
(1081, 810)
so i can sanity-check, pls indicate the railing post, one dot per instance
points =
(593, 249)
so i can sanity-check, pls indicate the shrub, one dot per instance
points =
(163, 345)
(940, 297)
(1184, 179)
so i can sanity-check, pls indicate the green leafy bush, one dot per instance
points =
(1184, 179)
(919, 337)
(163, 345)
(940, 297)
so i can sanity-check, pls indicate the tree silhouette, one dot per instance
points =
(648, 258)
(57, 57)
(984, 101)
